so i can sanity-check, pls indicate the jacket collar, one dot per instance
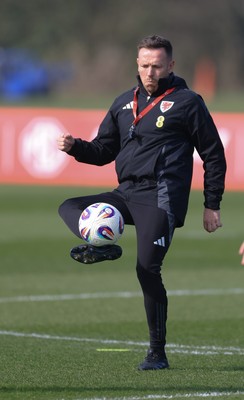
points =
(163, 84)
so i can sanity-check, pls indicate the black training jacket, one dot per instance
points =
(163, 145)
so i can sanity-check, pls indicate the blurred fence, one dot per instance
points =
(29, 154)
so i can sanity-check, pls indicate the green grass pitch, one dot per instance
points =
(70, 331)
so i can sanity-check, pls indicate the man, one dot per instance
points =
(151, 131)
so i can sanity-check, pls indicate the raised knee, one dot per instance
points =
(65, 206)
(62, 207)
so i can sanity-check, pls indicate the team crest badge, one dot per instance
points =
(166, 105)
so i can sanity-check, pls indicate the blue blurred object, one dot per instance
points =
(22, 74)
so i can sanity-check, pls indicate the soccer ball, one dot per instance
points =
(101, 224)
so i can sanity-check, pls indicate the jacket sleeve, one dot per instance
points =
(101, 150)
(208, 144)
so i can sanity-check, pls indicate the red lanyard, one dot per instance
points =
(149, 107)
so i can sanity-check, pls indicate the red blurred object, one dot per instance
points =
(29, 154)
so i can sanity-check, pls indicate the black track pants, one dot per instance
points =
(139, 206)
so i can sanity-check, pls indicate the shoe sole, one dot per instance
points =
(153, 367)
(87, 254)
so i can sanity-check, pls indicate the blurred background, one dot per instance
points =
(58, 60)
(73, 53)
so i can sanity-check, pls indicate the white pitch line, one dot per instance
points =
(171, 348)
(64, 297)
(124, 295)
(171, 396)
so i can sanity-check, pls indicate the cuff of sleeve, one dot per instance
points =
(73, 149)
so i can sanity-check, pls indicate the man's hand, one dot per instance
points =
(241, 252)
(211, 220)
(65, 142)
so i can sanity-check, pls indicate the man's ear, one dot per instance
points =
(171, 65)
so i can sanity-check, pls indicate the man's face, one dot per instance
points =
(153, 64)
